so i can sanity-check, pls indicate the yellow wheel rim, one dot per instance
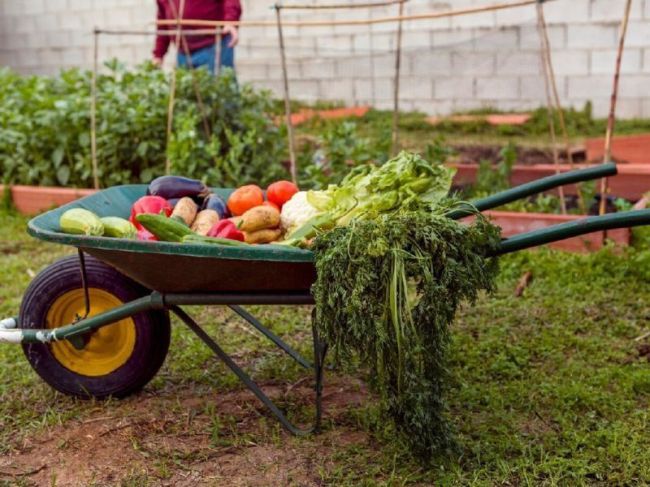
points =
(107, 348)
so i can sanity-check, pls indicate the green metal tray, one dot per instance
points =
(180, 268)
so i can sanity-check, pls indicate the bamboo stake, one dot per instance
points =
(611, 120)
(217, 52)
(172, 84)
(93, 110)
(398, 62)
(287, 100)
(549, 103)
(380, 20)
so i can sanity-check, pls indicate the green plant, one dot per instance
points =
(45, 135)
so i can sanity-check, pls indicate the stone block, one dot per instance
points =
(415, 88)
(590, 87)
(457, 40)
(638, 34)
(497, 88)
(529, 37)
(562, 12)
(604, 62)
(516, 16)
(469, 21)
(612, 10)
(519, 62)
(567, 62)
(592, 36)
(318, 69)
(496, 39)
(430, 63)
(354, 66)
(453, 87)
(473, 63)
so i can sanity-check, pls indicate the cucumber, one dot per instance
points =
(118, 227)
(200, 239)
(81, 222)
(166, 229)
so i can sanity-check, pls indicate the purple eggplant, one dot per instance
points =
(174, 187)
(216, 203)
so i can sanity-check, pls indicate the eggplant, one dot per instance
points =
(175, 187)
(216, 203)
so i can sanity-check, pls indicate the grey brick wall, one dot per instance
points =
(449, 64)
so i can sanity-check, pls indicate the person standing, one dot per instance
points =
(199, 50)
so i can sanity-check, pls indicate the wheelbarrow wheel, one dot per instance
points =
(117, 359)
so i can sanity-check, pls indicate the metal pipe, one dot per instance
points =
(47, 335)
(627, 219)
(534, 187)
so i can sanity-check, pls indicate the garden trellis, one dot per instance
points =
(177, 27)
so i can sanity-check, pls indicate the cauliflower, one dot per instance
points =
(296, 212)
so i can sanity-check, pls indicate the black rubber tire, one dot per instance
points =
(153, 330)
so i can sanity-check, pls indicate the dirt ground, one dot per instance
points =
(187, 438)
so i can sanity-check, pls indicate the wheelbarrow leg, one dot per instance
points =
(319, 356)
(281, 344)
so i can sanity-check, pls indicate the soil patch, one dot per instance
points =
(190, 436)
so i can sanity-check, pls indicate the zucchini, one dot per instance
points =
(81, 222)
(200, 239)
(164, 228)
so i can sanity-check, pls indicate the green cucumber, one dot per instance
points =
(200, 239)
(166, 229)
(118, 227)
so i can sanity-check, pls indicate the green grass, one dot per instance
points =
(549, 388)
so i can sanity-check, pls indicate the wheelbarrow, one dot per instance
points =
(97, 324)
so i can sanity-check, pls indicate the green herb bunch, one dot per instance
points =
(386, 293)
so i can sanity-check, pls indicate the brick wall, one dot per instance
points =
(451, 64)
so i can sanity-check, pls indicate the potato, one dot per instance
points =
(262, 236)
(260, 218)
(186, 209)
(236, 220)
(204, 221)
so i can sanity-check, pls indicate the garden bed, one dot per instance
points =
(30, 200)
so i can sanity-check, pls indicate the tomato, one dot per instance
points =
(280, 192)
(271, 204)
(245, 198)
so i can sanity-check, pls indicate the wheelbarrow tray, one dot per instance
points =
(170, 267)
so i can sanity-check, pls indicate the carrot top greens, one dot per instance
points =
(387, 292)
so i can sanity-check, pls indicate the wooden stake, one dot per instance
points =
(549, 103)
(611, 120)
(287, 100)
(93, 110)
(172, 83)
(398, 61)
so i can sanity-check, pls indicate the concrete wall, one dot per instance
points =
(451, 64)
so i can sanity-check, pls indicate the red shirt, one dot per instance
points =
(194, 9)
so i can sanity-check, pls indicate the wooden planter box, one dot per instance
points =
(631, 182)
(307, 114)
(30, 200)
(632, 149)
(512, 223)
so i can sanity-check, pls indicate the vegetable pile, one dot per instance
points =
(178, 209)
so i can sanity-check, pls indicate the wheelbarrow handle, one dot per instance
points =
(535, 187)
(575, 228)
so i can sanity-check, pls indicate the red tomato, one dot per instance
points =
(271, 204)
(280, 192)
(245, 198)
